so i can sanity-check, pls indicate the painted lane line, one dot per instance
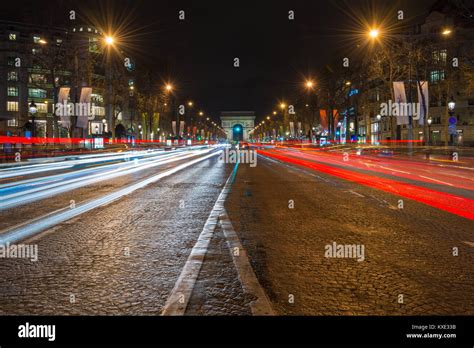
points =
(394, 170)
(439, 181)
(250, 284)
(471, 244)
(356, 193)
(178, 299)
(14, 235)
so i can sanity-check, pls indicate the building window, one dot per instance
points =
(437, 76)
(97, 98)
(11, 61)
(12, 36)
(12, 91)
(99, 111)
(38, 78)
(42, 108)
(440, 56)
(12, 123)
(12, 76)
(36, 93)
(36, 39)
(94, 45)
(12, 106)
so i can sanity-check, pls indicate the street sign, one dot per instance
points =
(453, 120)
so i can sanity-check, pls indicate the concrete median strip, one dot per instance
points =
(178, 300)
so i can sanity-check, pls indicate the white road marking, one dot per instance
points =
(441, 182)
(178, 300)
(471, 244)
(250, 284)
(395, 170)
(356, 193)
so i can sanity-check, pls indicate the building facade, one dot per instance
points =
(36, 62)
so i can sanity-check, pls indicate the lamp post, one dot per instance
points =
(379, 129)
(429, 130)
(451, 106)
(33, 111)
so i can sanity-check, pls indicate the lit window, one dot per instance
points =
(99, 111)
(12, 123)
(42, 108)
(12, 106)
(36, 39)
(97, 98)
(12, 91)
(38, 78)
(36, 93)
(437, 76)
(12, 36)
(12, 76)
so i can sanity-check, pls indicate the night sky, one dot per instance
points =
(197, 54)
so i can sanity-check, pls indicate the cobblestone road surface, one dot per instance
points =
(408, 251)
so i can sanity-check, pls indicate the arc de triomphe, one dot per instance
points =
(238, 124)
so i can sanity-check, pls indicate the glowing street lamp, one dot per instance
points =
(374, 33)
(109, 40)
(169, 87)
(446, 32)
(309, 84)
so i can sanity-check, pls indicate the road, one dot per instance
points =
(126, 232)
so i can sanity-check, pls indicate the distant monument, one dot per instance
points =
(238, 124)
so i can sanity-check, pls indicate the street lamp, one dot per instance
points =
(446, 32)
(451, 106)
(109, 40)
(374, 33)
(379, 129)
(33, 111)
(429, 130)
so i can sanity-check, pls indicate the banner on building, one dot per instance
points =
(423, 101)
(292, 129)
(299, 129)
(324, 119)
(173, 127)
(400, 99)
(181, 128)
(335, 117)
(62, 100)
(84, 110)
